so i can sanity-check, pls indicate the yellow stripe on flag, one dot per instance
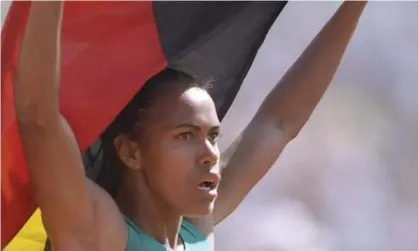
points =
(31, 237)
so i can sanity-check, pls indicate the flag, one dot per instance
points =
(109, 50)
(31, 237)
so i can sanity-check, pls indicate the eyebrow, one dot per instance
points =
(194, 126)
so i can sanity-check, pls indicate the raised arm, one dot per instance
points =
(285, 110)
(52, 155)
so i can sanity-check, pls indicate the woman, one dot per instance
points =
(162, 147)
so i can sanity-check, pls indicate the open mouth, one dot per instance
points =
(210, 183)
(207, 185)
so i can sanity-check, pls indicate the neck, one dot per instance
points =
(137, 201)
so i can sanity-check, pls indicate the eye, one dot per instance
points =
(213, 136)
(185, 136)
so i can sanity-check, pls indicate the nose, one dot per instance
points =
(210, 154)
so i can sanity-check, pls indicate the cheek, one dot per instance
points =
(173, 161)
(176, 172)
(180, 157)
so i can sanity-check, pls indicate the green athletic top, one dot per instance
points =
(138, 240)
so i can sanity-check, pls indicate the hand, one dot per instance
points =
(355, 4)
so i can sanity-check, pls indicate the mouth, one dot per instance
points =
(209, 183)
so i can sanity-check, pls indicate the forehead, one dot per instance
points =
(193, 105)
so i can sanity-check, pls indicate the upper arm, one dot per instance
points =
(74, 210)
(245, 162)
(57, 178)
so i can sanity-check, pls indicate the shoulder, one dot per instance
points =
(110, 226)
(199, 229)
(109, 231)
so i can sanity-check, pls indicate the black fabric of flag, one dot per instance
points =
(211, 40)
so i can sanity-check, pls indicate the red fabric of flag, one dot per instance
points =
(109, 49)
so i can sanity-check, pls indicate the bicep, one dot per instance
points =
(57, 177)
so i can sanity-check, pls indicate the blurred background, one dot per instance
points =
(349, 181)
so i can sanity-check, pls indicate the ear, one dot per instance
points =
(128, 152)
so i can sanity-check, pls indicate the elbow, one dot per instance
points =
(292, 132)
(292, 129)
(288, 126)
(31, 114)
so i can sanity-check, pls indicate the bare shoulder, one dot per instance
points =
(110, 227)
(205, 226)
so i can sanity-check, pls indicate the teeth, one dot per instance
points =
(206, 185)
(204, 188)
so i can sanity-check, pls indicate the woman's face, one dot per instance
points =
(179, 152)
